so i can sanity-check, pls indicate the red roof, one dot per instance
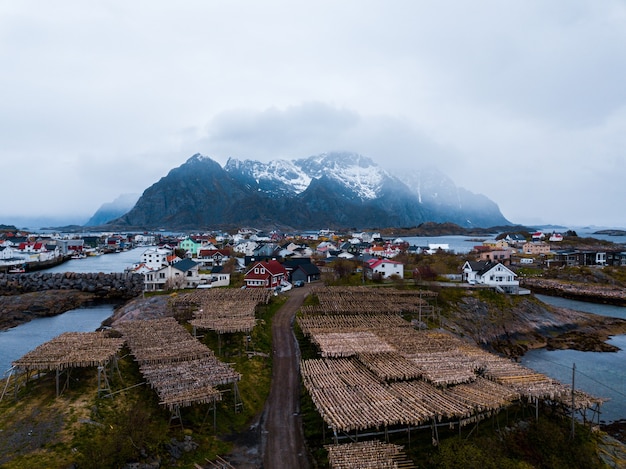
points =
(373, 263)
(212, 252)
(263, 269)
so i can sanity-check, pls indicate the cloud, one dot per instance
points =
(521, 101)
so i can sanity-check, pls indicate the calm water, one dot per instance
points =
(594, 308)
(458, 244)
(106, 263)
(597, 373)
(16, 342)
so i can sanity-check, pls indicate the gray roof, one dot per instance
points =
(185, 265)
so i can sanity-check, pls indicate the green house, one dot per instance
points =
(190, 245)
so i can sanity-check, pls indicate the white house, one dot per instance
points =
(246, 247)
(7, 252)
(144, 240)
(556, 238)
(182, 274)
(384, 267)
(155, 258)
(494, 275)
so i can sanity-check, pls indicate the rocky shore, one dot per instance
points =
(115, 285)
(595, 293)
(515, 325)
(18, 309)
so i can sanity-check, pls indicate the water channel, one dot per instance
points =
(602, 374)
(15, 342)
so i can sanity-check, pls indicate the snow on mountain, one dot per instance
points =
(431, 186)
(356, 172)
(267, 176)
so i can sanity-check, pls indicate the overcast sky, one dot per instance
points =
(522, 101)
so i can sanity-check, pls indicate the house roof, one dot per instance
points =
(266, 268)
(185, 265)
(373, 263)
(309, 269)
(296, 261)
(214, 252)
(483, 267)
(478, 266)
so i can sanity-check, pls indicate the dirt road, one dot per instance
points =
(281, 424)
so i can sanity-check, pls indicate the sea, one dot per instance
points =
(601, 374)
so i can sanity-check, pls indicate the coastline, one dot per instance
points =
(22, 308)
(591, 293)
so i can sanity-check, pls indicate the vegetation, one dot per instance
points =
(525, 443)
(608, 275)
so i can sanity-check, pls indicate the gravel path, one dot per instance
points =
(281, 423)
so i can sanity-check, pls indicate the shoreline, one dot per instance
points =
(590, 293)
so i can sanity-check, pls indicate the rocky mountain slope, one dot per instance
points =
(339, 190)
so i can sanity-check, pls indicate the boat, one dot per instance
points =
(17, 270)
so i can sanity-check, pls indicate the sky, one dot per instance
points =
(523, 101)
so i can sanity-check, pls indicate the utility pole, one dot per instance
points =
(573, 402)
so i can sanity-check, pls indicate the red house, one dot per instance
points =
(265, 274)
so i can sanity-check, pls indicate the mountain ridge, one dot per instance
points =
(338, 189)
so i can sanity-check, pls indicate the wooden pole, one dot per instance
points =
(573, 402)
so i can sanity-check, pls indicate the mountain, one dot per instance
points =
(339, 190)
(112, 210)
(437, 191)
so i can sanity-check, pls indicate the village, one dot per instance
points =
(278, 260)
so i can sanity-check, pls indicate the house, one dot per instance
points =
(156, 258)
(383, 267)
(144, 240)
(540, 247)
(495, 275)
(246, 248)
(217, 277)
(7, 252)
(71, 246)
(302, 269)
(325, 246)
(265, 274)
(496, 255)
(190, 246)
(556, 238)
(588, 257)
(617, 258)
(214, 257)
(515, 239)
(496, 243)
(182, 274)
